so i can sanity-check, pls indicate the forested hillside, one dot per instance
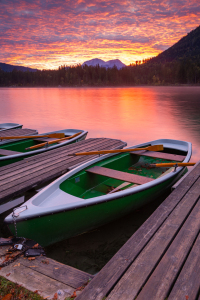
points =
(180, 64)
(186, 48)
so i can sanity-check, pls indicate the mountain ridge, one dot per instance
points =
(9, 68)
(187, 47)
(106, 64)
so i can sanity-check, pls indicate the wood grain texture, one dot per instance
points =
(119, 175)
(31, 166)
(134, 279)
(58, 271)
(107, 278)
(44, 270)
(162, 155)
(17, 132)
(188, 281)
(33, 280)
(162, 279)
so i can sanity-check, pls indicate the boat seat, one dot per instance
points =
(162, 155)
(119, 175)
(43, 140)
(8, 152)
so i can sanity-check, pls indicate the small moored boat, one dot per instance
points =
(24, 147)
(99, 191)
(7, 126)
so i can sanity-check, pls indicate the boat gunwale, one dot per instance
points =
(15, 126)
(45, 211)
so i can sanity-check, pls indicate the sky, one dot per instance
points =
(46, 34)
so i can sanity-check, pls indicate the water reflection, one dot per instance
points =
(134, 114)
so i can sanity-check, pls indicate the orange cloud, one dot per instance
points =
(47, 34)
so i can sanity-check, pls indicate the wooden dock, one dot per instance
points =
(32, 172)
(45, 275)
(17, 132)
(162, 258)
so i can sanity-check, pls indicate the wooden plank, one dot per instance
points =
(5, 152)
(123, 176)
(33, 280)
(42, 156)
(109, 275)
(136, 276)
(58, 271)
(16, 132)
(162, 155)
(34, 166)
(159, 284)
(52, 154)
(188, 281)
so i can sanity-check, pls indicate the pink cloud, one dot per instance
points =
(45, 34)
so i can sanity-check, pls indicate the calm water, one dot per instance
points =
(134, 115)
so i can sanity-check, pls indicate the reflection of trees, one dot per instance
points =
(147, 73)
(185, 107)
(188, 103)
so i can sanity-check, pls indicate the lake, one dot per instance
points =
(134, 115)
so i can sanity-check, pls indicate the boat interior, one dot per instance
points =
(21, 145)
(118, 173)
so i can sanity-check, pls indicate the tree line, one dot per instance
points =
(141, 73)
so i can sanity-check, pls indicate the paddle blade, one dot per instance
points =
(155, 148)
(58, 135)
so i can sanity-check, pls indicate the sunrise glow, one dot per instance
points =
(47, 34)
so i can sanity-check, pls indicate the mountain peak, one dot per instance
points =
(105, 64)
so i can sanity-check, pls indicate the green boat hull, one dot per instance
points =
(70, 223)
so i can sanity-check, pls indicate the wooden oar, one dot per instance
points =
(52, 135)
(150, 148)
(53, 142)
(166, 165)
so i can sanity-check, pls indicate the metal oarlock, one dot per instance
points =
(175, 166)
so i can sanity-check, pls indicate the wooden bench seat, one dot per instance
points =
(8, 152)
(162, 155)
(119, 175)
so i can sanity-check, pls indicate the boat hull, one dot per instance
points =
(7, 126)
(58, 226)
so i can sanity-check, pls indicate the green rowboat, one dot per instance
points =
(11, 152)
(98, 192)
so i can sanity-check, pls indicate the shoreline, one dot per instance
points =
(107, 86)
